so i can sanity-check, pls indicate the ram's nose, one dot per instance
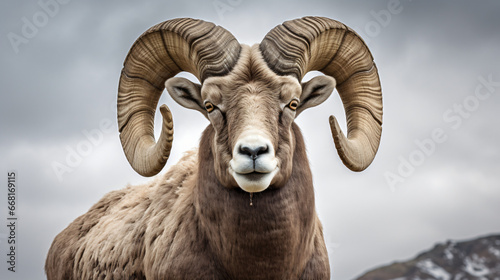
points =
(253, 151)
(254, 164)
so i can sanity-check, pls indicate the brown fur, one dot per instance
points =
(178, 228)
(193, 222)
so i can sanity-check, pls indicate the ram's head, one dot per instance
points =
(250, 95)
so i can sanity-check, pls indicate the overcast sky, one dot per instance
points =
(436, 176)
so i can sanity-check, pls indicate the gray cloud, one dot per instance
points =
(63, 82)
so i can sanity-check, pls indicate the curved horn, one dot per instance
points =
(315, 43)
(161, 52)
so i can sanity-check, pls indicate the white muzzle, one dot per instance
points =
(254, 164)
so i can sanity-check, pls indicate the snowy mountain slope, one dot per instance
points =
(477, 259)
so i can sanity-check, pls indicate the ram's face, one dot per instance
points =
(253, 143)
(251, 111)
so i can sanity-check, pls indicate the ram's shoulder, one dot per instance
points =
(184, 170)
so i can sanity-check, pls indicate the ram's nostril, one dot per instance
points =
(253, 152)
(261, 150)
(245, 150)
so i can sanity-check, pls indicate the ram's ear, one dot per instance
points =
(186, 93)
(315, 91)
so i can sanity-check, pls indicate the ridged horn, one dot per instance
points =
(315, 43)
(184, 44)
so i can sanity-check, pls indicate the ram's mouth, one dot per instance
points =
(253, 181)
(254, 176)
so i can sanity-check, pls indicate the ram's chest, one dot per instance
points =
(182, 259)
(264, 254)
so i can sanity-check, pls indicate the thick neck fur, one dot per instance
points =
(272, 239)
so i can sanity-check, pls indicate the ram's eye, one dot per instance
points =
(209, 106)
(294, 104)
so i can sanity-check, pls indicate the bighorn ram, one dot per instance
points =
(197, 221)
